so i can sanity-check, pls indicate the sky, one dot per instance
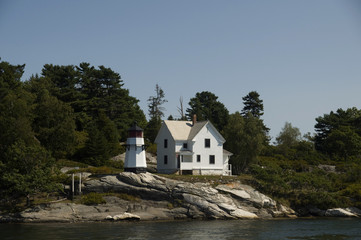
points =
(302, 57)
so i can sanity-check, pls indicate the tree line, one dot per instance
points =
(82, 113)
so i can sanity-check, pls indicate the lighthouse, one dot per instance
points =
(135, 151)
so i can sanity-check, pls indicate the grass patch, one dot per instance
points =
(128, 197)
(92, 199)
(213, 180)
(97, 170)
(124, 196)
(68, 163)
(98, 198)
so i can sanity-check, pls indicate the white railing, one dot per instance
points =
(228, 170)
(186, 166)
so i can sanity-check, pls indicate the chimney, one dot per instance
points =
(194, 120)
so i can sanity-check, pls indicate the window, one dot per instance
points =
(165, 159)
(185, 145)
(212, 159)
(165, 143)
(207, 143)
(198, 158)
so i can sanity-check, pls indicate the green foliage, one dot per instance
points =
(152, 129)
(74, 112)
(253, 110)
(97, 170)
(152, 148)
(339, 134)
(54, 125)
(289, 136)
(253, 105)
(353, 191)
(126, 197)
(351, 172)
(102, 142)
(299, 183)
(245, 139)
(89, 90)
(92, 199)
(206, 106)
(68, 163)
(115, 164)
(27, 171)
(16, 107)
(155, 103)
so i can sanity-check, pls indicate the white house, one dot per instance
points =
(191, 148)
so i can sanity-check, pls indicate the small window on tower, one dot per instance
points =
(185, 145)
(165, 143)
(165, 159)
(198, 158)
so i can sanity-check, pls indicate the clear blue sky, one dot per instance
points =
(303, 57)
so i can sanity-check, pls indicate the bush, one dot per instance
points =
(353, 191)
(115, 164)
(152, 148)
(96, 170)
(68, 163)
(92, 199)
(321, 200)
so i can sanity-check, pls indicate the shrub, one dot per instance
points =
(69, 163)
(92, 199)
(115, 164)
(128, 197)
(96, 170)
(152, 148)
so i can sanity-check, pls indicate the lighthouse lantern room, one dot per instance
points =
(135, 151)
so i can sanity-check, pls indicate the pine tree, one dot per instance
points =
(252, 104)
(156, 112)
(206, 106)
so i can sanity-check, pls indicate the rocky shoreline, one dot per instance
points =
(162, 198)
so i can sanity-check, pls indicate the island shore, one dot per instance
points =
(161, 198)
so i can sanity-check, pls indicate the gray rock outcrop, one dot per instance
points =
(159, 198)
(196, 200)
(343, 212)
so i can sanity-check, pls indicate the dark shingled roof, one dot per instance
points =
(135, 127)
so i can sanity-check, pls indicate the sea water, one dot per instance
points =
(316, 228)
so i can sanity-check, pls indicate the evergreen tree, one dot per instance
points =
(27, 171)
(89, 90)
(16, 106)
(156, 112)
(233, 133)
(25, 166)
(54, 125)
(252, 104)
(102, 143)
(155, 108)
(338, 134)
(206, 106)
(245, 139)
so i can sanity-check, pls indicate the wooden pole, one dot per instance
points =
(79, 183)
(72, 186)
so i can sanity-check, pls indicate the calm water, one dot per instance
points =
(240, 229)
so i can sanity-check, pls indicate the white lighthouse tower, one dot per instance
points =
(135, 151)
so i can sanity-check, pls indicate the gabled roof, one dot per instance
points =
(185, 130)
(196, 128)
(178, 129)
